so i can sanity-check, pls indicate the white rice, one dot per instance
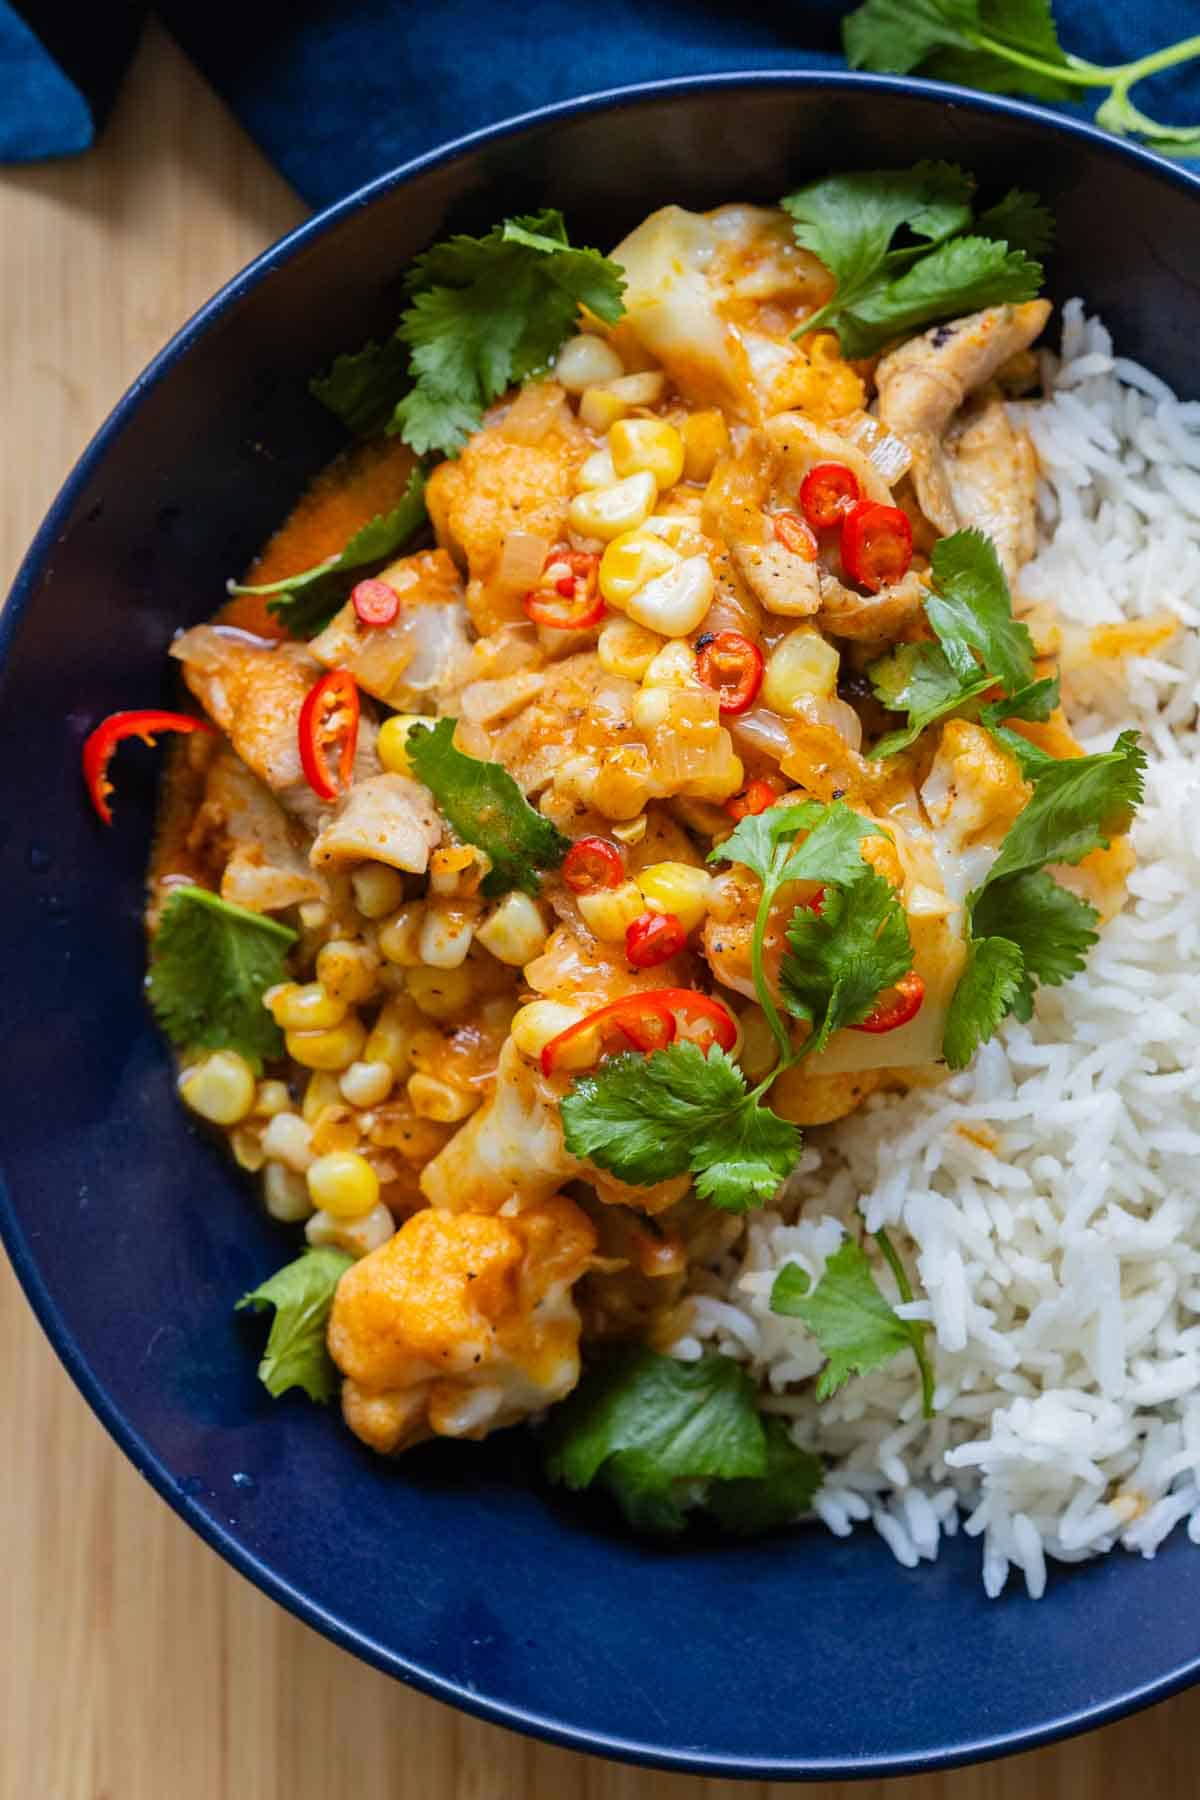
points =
(1061, 1269)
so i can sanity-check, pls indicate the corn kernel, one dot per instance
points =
(605, 513)
(285, 1194)
(679, 888)
(602, 405)
(441, 1100)
(651, 709)
(650, 444)
(609, 913)
(440, 993)
(675, 603)
(221, 1088)
(803, 666)
(626, 649)
(337, 1128)
(307, 1008)
(674, 666)
(378, 890)
(596, 470)
(314, 915)
(623, 783)
(247, 1150)
(586, 361)
(392, 742)
(272, 1097)
(534, 1025)
(344, 1184)
(447, 932)
(679, 529)
(630, 561)
(320, 1090)
(366, 1083)
(456, 870)
(347, 971)
(705, 441)
(357, 1237)
(633, 832)
(288, 1140)
(335, 1048)
(392, 1035)
(516, 932)
(400, 939)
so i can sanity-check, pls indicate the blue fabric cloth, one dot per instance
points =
(336, 91)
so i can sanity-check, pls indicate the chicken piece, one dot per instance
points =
(461, 1323)
(265, 865)
(992, 471)
(387, 819)
(513, 1145)
(924, 382)
(403, 663)
(533, 744)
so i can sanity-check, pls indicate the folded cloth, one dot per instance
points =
(337, 91)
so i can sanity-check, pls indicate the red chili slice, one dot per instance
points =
(698, 1018)
(754, 798)
(730, 663)
(794, 535)
(654, 938)
(375, 603)
(828, 491)
(876, 545)
(592, 863)
(569, 598)
(100, 744)
(636, 1021)
(896, 1006)
(328, 733)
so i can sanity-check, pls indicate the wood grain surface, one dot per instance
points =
(134, 1665)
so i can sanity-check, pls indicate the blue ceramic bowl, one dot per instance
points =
(798, 1656)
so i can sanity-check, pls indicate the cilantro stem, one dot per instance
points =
(758, 970)
(915, 1330)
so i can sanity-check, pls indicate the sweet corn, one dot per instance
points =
(337, 1128)
(392, 742)
(400, 939)
(630, 561)
(606, 512)
(651, 709)
(623, 783)
(534, 1025)
(596, 470)
(440, 1100)
(679, 888)
(366, 1083)
(633, 832)
(585, 361)
(674, 666)
(344, 1184)
(705, 441)
(307, 1008)
(681, 530)
(288, 1140)
(608, 913)
(440, 993)
(515, 932)
(625, 648)
(272, 1097)
(377, 889)
(285, 1194)
(347, 971)
(357, 1237)
(320, 1090)
(391, 1038)
(447, 932)
(456, 870)
(221, 1088)
(601, 405)
(675, 603)
(335, 1048)
(314, 915)
(247, 1150)
(650, 444)
(803, 666)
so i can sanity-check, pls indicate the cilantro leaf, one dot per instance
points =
(647, 1119)
(961, 276)
(987, 991)
(762, 842)
(845, 955)
(918, 679)
(484, 805)
(1078, 805)
(961, 40)
(971, 611)
(210, 965)
(847, 1314)
(1052, 927)
(363, 388)
(749, 1505)
(302, 1295)
(1021, 220)
(306, 602)
(755, 841)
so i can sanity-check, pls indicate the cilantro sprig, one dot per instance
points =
(210, 964)
(1011, 46)
(486, 808)
(302, 1295)
(484, 313)
(306, 602)
(956, 265)
(669, 1439)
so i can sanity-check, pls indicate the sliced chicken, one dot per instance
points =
(265, 855)
(386, 819)
(404, 663)
(992, 471)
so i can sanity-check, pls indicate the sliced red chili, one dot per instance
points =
(648, 1021)
(592, 863)
(876, 545)
(568, 597)
(794, 535)
(698, 1018)
(654, 938)
(375, 603)
(99, 746)
(755, 798)
(730, 663)
(329, 734)
(896, 1005)
(828, 491)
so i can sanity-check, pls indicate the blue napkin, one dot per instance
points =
(337, 91)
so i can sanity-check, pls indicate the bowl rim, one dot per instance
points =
(21, 1254)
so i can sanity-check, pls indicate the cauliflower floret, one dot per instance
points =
(974, 790)
(461, 1323)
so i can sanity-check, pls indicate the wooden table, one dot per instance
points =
(135, 1665)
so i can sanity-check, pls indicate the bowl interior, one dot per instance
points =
(134, 1236)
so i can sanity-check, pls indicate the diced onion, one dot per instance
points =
(882, 448)
(535, 412)
(836, 714)
(521, 562)
(761, 730)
